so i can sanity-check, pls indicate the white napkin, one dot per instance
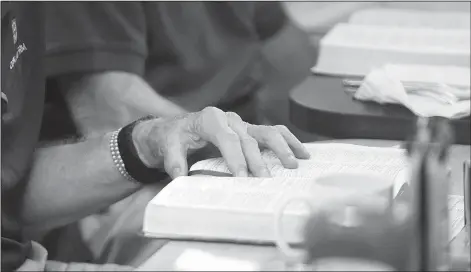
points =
(385, 86)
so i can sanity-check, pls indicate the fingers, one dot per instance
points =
(271, 138)
(175, 162)
(229, 144)
(281, 142)
(249, 145)
(238, 142)
(296, 146)
(213, 125)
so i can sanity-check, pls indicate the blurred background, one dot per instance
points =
(317, 18)
(291, 54)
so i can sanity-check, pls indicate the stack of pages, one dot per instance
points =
(373, 38)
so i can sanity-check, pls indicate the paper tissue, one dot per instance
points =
(425, 90)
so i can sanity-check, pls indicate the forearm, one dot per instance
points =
(68, 182)
(101, 102)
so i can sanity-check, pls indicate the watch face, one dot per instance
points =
(349, 264)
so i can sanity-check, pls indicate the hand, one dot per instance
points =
(168, 140)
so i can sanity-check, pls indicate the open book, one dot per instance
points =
(356, 49)
(212, 205)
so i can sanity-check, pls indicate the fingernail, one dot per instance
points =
(242, 172)
(292, 158)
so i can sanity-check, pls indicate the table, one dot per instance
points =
(320, 105)
(268, 256)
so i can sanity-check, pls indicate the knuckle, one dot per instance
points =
(234, 116)
(276, 141)
(282, 128)
(249, 140)
(272, 134)
(250, 127)
(211, 111)
(264, 130)
(272, 130)
(210, 120)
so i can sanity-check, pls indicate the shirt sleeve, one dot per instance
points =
(269, 18)
(94, 36)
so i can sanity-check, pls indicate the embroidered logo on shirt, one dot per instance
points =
(13, 30)
(20, 49)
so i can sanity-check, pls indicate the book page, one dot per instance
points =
(325, 158)
(411, 18)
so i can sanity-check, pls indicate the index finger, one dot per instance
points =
(212, 124)
(253, 157)
(229, 144)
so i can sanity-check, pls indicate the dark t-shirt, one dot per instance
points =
(23, 88)
(187, 51)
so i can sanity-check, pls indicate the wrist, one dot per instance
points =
(125, 144)
(140, 139)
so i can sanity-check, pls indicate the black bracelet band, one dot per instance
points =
(132, 163)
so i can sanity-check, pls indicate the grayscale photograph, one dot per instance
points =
(235, 136)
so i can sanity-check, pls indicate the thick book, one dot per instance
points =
(357, 49)
(211, 205)
(412, 18)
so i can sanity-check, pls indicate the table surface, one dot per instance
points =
(320, 105)
(268, 257)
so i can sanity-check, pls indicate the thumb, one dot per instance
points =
(175, 161)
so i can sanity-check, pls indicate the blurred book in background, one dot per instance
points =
(412, 18)
(374, 37)
(354, 49)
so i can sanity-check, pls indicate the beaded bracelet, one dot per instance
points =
(116, 156)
